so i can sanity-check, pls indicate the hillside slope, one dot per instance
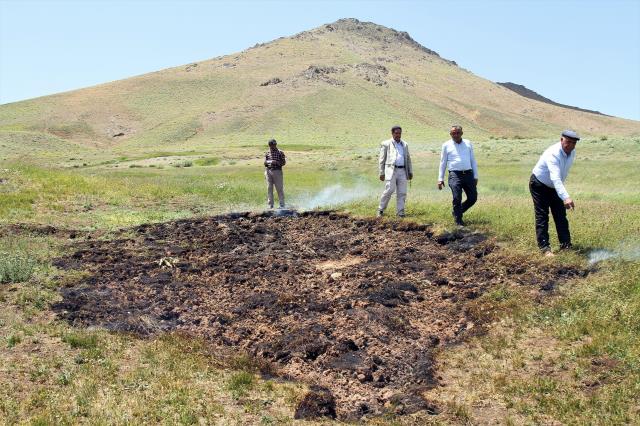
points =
(342, 81)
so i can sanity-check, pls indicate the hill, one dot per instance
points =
(343, 81)
(531, 94)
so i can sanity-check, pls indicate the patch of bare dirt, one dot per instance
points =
(354, 307)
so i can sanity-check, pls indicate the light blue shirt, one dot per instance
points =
(400, 151)
(457, 157)
(553, 167)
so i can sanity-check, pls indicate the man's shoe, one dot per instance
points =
(460, 223)
(380, 213)
(400, 214)
(546, 252)
(566, 246)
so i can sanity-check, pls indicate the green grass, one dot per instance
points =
(203, 162)
(80, 340)
(240, 383)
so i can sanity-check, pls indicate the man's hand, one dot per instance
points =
(476, 182)
(440, 184)
(382, 177)
(410, 176)
(568, 204)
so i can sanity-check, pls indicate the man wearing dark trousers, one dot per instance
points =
(457, 156)
(548, 192)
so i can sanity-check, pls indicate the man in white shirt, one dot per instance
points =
(548, 192)
(457, 156)
(394, 168)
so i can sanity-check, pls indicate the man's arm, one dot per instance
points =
(284, 159)
(474, 164)
(382, 158)
(443, 165)
(553, 164)
(408, 161)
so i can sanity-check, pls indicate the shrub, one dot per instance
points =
(15, 268)
(186, 163)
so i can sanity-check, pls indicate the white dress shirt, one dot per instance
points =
(553, 167)
(400, 151)
(458, 157)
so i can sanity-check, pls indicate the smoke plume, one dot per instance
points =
(334, 195)
(629, 251)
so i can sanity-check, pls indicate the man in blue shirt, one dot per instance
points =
(457, 156)
(548, 192)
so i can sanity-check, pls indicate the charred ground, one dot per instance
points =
(354, 307)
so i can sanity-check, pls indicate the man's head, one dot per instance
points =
(272, 143)
(456, 133)
(396, 133)
(568, 140)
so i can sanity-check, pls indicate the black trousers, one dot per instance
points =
(545, 198)
(458, 182)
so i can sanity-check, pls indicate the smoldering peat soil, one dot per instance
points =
(354, 307)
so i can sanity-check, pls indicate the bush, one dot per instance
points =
(15, 268)
(186, 163)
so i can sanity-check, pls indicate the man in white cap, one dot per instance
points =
(394, 169)
(548, 192)
(274, 159)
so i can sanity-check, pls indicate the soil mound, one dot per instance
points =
(354, 307)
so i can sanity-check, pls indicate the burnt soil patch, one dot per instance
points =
(354, 307)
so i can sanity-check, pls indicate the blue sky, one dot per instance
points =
(583, 53)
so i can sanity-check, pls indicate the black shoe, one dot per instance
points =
(380, 213)
(460, 223)
(566, 246)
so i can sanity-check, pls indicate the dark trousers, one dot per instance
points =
(545, 198)
(458, 182)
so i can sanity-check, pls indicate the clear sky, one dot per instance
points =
(583, 53)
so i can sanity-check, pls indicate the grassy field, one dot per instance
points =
(570, 358)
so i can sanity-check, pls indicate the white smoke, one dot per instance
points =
(629, 251)
(599, 255)
(334, 195)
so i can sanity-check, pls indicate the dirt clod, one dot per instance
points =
(318, 402)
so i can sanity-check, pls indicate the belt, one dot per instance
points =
(462, 172)
(274, 168)
(399, 167)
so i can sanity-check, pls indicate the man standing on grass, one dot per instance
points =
(274, 159)
(457, 156)
(394, 169)
(548, 192)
